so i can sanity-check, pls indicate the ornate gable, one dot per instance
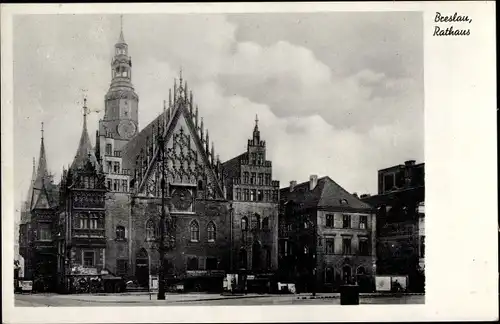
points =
(188, 160)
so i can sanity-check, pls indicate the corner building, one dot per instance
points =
(254, 227)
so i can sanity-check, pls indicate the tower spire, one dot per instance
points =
(256, 132)
(121, 39)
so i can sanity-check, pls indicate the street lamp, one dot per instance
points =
(165, 221)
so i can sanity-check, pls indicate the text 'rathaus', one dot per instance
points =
(103, 217)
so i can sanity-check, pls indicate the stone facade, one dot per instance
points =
(326, 236)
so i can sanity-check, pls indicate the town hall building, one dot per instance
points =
(102, 220)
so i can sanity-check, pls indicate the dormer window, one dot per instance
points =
(343, 202)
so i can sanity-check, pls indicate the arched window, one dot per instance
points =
(329, 275)
(195, 231)
(200, 184)
(150, 230)
(211, 232)
(246, 177)
(268, 258)
(256, 222)
(265, 224)
(243, 259)
(120, 232)
(244, 224)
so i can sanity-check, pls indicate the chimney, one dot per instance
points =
(293, 183)
(355, 194)
(313, 181)
(410, 163)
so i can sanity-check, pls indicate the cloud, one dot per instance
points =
(345, 118)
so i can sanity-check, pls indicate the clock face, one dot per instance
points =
(182, 199)
(127, 129)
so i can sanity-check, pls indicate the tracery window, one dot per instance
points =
(195, 231)
(211, 232)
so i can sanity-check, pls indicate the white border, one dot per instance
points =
(460, 139)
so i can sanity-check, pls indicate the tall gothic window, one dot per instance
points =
(211, 232)
(150, 230)
(244, 224)
(253, 179)
(256, 224)
(261, 179)
(195, 231)
(265, 224)
(120, 232)
(245, 177)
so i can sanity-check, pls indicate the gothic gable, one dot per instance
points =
(187, 160)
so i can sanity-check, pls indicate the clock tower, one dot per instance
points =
(121, 103)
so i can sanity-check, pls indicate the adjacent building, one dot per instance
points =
(326, 236)
(400, 206)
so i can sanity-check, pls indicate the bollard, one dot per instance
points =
(349, 295)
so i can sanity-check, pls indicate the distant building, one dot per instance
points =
(326, 236)
(400, 221)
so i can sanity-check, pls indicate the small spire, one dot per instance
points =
(121, 40)
(170, 97)
(42, 131)
(212, 153)
(180, 77)
(256, 120)
(196, 116)
(191, 103)
(164, 106)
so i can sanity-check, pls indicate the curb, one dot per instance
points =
(362, 296)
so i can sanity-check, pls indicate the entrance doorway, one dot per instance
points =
(142, 268)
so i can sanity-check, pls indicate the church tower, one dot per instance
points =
(121, 119)
(121, 116)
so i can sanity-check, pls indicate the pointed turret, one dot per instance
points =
(256, 132)
(84, 147)
(43, 177)
(121, 39)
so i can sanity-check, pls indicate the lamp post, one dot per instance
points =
(161, 277)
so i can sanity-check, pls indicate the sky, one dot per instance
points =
(337, 94)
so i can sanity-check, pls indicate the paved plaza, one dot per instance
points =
(37, 300)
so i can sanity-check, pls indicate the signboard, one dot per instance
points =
(400, 281)
(196, 273)
(383, 283)
(153, 282)
(26, 285)
(80, 270)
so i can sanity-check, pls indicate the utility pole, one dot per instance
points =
(161, 283)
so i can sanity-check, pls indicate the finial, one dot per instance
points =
(170, 97)
(196, 117)
(42, 130)
(121, 23)
(164, 105)
(191, 103)
(256, 120)
(180, 76)
(201, 125)
(175, 90)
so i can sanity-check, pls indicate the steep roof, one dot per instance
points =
(326, 194)
(84, 151)
(42, 174)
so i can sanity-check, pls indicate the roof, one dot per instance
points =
(84, 151)
(326, 194)
(414, 193)
(42, 175)
(132, 149)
